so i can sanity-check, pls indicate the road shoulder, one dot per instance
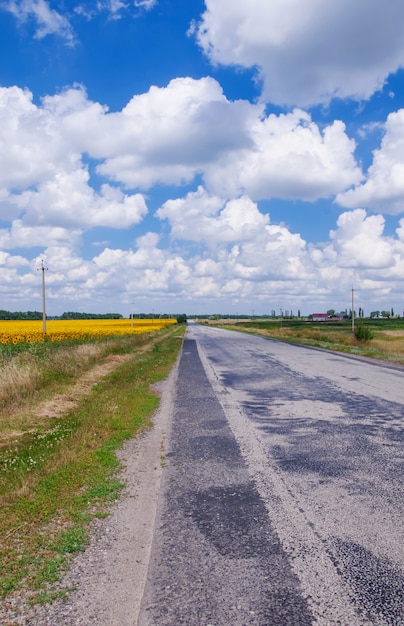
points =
(107, 581)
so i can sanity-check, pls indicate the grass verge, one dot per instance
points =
(64, 474)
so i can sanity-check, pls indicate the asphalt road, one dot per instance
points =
(282, 496)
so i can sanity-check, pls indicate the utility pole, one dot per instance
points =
(43, 270)
(353, 314)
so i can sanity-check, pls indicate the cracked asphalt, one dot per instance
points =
(282, 497)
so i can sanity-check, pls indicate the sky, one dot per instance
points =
(187, 156)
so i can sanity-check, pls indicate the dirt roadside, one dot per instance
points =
(106, 582)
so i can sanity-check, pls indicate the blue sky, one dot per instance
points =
(217, 156)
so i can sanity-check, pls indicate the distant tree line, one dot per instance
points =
(74, 315)
(382, 313)
(20, 315)
(70, 315)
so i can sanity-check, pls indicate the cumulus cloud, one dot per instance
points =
(358, 241)
(274, 268)
(31, 146)
(251, 257)
(307, 51)
(291, 158)
(166, 135)
(172, 134)
(383, 189)
(68, 200)
(10, 261)
(221, 244)
(240, 239)
(21, 235)
(201, 216)
(43, 180)
(169, 134)
(269, 262)
(47, 21)
(146, 270)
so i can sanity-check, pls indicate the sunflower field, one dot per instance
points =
(14, 332)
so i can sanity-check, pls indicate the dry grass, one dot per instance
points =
(35, 387)
(25, 373)
(18, 378)
(391, 343)
(39, 387)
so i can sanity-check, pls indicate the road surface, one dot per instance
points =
(282, 495)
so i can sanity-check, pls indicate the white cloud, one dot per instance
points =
(203, 217)
(145, 4)
(146, 256)
(32, 148)
(239, 238)
(221, 244)
(276, 268)
(384, 187)
(266, 261)
(307, 51)
(8, 261)
(47, 21)
(43, 180)
(169, 134)
(291, 158)
(114, 8)
(144, 271)
(116, 5)
(68, 200)
(358, 241)
(249, 258)
(20, 235)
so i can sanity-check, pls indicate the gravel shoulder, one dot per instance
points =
(106, 582)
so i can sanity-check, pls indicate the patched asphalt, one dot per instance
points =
(282, 499)
(217, 559)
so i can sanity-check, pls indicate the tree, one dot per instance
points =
(331, 312)
(374, 314)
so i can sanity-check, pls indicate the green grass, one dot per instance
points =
(65, 473)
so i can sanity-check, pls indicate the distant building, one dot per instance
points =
(324, 317)
(320, 317)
